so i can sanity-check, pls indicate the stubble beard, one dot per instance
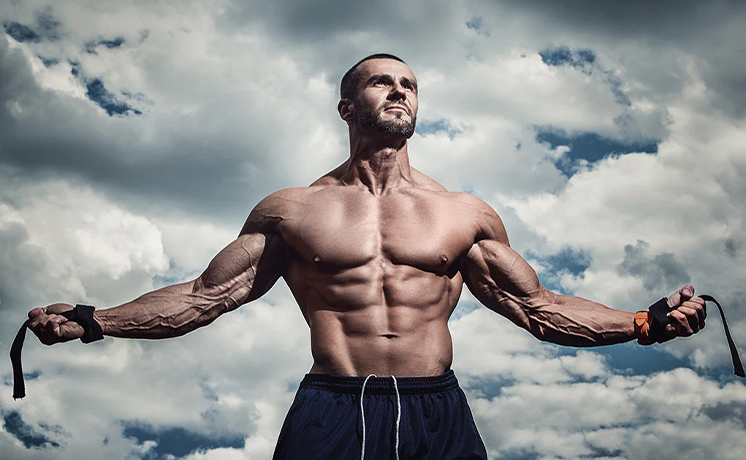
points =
(399, 126)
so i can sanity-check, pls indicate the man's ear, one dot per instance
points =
(346, 110)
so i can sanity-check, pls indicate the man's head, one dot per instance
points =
(379, 93)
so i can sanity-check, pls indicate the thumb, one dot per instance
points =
(681, 296)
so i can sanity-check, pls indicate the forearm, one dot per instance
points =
(171, 311)
(570, 320)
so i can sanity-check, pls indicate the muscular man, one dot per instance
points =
(376, 254)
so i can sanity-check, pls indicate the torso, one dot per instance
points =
(376, 277)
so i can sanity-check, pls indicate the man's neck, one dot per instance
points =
(378, 162)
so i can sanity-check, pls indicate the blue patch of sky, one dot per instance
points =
(563, 55)
(488, 386)
(633, 359)
(97, 92)
(116, 42)
(31, 438)
(585, 61)
(519, 454)
(49, 62)
(21, 33)
(45, 29)
(74, 68)
(176, 441)
(27, 376)
(464, 308)
(166, 280)
(425, 127)
(568, 260)
(588, 147)
(600, 452)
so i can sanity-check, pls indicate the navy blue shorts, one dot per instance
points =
(325, 421)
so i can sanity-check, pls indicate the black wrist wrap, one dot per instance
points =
(659, 320)
(81, 314)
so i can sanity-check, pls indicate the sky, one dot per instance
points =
(135, 138)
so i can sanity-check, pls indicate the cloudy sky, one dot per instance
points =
(135, 137)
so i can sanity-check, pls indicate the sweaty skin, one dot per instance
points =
(376, 254)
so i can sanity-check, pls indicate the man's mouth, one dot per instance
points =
(397, 107)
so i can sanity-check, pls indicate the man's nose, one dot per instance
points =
(397, 92)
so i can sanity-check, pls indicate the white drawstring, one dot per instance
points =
(362, 413)
(398, 414)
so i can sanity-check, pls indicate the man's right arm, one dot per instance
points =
(243, 271)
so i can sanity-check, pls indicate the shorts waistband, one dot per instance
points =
(380, 385)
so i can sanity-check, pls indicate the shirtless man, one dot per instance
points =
(376, 254)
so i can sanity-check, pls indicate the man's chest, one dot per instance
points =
(341, 231)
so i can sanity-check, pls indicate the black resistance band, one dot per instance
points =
(81, 314)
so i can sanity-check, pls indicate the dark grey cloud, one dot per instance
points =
(333, 35)
(661, 272)
(19, 264)
(188, 165)
(732, 411)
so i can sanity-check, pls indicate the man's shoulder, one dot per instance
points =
(276, 208)
(489, 223)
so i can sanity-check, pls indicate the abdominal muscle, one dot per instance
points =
(395, 324)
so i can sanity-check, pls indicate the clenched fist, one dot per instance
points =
(51, 327)
(687, 313)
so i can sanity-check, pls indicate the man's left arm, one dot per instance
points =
(504, 282)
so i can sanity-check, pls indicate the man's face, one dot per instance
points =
(387, 97)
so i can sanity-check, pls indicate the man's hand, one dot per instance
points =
(687, 313)
(51, 327)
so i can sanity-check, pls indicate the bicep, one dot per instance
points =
(245, 269)
(501, 279)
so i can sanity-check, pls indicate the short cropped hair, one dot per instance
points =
(351, 79)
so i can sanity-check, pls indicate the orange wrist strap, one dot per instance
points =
(642, 328)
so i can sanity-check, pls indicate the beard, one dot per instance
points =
(399, 126)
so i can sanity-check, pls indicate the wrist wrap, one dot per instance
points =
(658, 320)
(83, 315)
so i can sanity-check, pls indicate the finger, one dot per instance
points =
(71, 330)
(699, 307)
(57, 308)
(692, 317)
(35, 312)
(678, 297)
(34, 324)
(684, 328)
